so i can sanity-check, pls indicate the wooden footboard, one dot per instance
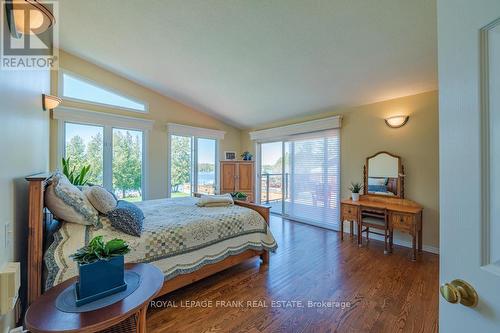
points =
(186, 279)
(264, 211)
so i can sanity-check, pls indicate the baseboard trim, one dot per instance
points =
(397, 241)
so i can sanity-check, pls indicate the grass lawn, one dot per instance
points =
(133, 199)
(179, 194)
(173, 195)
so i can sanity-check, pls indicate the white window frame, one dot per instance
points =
(194, 133)
(108, 122)
(100, 86)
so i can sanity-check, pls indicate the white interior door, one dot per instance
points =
(469, 84)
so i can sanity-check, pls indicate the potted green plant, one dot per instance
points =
(101, 269)
(355, 189)
(246, 156)
(74, 177)
(239, 196)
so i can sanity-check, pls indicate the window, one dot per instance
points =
(76, 88)
(192, 165)
(193, 160)
(84, 146)
(127, 164)
(117, 165)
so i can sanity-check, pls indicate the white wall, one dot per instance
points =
(24, 150)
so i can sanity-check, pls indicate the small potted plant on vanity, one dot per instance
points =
(355, 189)
(101, 269)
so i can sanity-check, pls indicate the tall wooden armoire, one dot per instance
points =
(238, 176)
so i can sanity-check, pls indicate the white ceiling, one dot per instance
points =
(251, 62)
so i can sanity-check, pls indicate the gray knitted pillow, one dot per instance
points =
(102, 200)
(127, 217)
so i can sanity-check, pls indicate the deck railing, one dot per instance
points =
(272, 187)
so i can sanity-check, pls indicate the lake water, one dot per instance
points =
(206, 178)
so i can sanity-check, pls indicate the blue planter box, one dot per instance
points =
(100, 279)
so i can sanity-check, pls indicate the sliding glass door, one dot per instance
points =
(271, 175)
(181, 166)
(206, 157)
(193, 166)
(300, 177)
(314, 181)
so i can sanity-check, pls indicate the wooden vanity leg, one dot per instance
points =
(341, 228)
(360, 237)
(414, 246)
(391, 240)
(351, 229)
(420, 240)
(385, 242)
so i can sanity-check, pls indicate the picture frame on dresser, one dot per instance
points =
(230, 155)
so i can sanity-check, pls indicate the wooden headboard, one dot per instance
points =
(392, 185)
(38, 220)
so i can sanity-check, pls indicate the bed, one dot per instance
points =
(387, 186)
(186, 242)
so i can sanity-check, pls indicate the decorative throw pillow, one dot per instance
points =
(127, 217)
(100, 198)
(377, 181)
(377, 188)
(68, 203)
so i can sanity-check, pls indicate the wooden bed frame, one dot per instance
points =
(39, 223)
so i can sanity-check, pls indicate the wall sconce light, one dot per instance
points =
(28, 17)
(396, 121)
(50, 102)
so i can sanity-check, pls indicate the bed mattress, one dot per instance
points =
(178, 237)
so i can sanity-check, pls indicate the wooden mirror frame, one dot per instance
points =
(401, 175)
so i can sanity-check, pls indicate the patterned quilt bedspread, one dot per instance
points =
(179, 237)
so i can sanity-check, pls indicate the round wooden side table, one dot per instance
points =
(43, 316)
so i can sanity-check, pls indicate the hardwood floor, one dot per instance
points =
(384, 293)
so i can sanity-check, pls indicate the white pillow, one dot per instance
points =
(100, 198)
(68, 203)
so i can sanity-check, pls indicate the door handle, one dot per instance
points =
(459, 291)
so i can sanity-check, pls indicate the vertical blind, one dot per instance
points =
(312, 186)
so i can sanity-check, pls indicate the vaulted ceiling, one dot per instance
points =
(250, 62)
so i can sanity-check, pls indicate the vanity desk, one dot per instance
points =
(383, 207)
(402, 215)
